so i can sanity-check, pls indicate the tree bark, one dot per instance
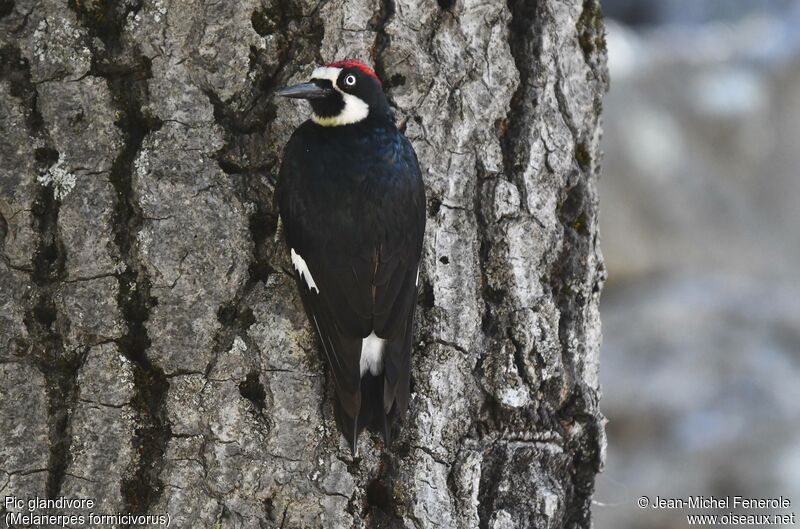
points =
(154, 354)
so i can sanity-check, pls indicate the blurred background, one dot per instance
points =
(700, 225)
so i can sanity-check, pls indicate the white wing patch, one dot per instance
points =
(355, 109)
(300, 265)
(372, 354)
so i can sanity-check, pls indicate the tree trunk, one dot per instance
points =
(154, 354)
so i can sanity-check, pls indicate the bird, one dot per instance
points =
(351, 200)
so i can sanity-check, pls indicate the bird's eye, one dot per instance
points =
(350, 80)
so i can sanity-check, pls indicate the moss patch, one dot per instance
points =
(591, 32)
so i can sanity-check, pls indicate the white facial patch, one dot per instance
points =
(301, 266)
(372, 354)
(355, 109)
(326, 72)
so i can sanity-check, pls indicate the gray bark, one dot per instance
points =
(154, 354)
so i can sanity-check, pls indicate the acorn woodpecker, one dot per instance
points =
(352, 203)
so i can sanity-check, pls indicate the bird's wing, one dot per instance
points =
(396, 281)
(327, 277)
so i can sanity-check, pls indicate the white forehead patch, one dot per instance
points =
(355, 109)
(326, 72)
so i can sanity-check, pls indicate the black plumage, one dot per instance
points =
(352, 203)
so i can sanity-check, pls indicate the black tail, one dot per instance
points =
(371, 414)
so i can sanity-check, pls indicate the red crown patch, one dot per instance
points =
(354, 63)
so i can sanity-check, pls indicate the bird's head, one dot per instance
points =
(342, 93)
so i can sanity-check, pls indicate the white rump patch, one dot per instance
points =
(372, 354)
(300, 265)
(355, 109)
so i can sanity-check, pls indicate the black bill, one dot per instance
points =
(305, 91)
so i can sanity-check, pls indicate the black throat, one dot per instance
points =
(328, 107)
